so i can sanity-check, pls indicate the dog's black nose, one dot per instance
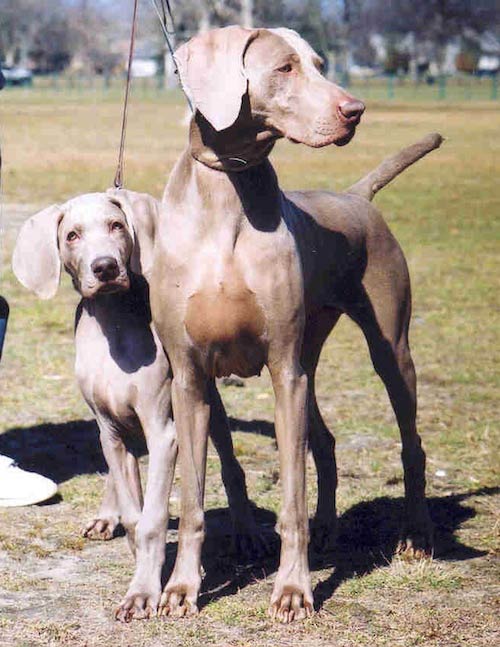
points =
(352, 110)
(105, 268)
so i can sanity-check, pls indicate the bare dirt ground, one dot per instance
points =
(58, 589)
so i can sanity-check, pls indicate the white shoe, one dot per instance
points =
(18, 487)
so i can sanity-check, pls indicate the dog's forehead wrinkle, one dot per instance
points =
(300, 46)
(87, 200)
(276, 48)
(71, 220)
(83, 208)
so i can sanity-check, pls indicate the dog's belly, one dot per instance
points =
(226, 324)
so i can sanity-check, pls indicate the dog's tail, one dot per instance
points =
(392, 166)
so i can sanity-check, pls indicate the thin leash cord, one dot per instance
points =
(118, 181)
(164, 12)
(161, 12)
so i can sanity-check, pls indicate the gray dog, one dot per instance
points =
(246, 276)
(105, 242)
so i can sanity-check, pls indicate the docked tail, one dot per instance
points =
(392, 166)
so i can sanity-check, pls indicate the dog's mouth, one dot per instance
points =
(339, 137)
(113, 286)
(324, 132)
(342, 141)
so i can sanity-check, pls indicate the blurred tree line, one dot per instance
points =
(51, 35)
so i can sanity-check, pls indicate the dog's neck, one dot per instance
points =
(236, 149)
(224, 199)
(229, 190)
(123, 319)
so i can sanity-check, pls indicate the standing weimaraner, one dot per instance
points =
(246, 276)
(105, 241)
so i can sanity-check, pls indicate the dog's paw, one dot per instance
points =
(175, 604)
(138, 606)
(102, 528)
(291, 603)
(179, 599)
(415, 547)
(416, 542)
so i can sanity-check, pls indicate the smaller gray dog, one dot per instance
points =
(105, 242)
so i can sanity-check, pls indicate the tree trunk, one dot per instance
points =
(247, 13)
(204, 23)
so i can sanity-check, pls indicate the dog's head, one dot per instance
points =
(269, 77)
(97, 238)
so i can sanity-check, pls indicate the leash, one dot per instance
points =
(118, 181)
(164, 13)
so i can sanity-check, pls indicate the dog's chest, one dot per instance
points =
(110, 368)
(226, 324)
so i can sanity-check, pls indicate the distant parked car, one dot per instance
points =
(17, 75)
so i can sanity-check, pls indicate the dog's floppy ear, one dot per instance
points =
(141, 211)
(212, 74)
(36, 261)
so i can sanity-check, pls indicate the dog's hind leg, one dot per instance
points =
(382, 308)
(124, 471)
(104, 525)
(248, 541)
(321, 439)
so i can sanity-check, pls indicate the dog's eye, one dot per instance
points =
(72, 236)
(285, 69)
(116, 226)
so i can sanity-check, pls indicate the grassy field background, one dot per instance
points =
(59, 589)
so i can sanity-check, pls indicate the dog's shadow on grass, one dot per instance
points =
(367, 532)
(64, 450)
(58, 451)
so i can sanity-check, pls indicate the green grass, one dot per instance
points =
(445, 211)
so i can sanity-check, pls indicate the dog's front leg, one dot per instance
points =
(292, 596)
(143, 595)
(192, 414)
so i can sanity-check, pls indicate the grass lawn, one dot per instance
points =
(59, 589)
